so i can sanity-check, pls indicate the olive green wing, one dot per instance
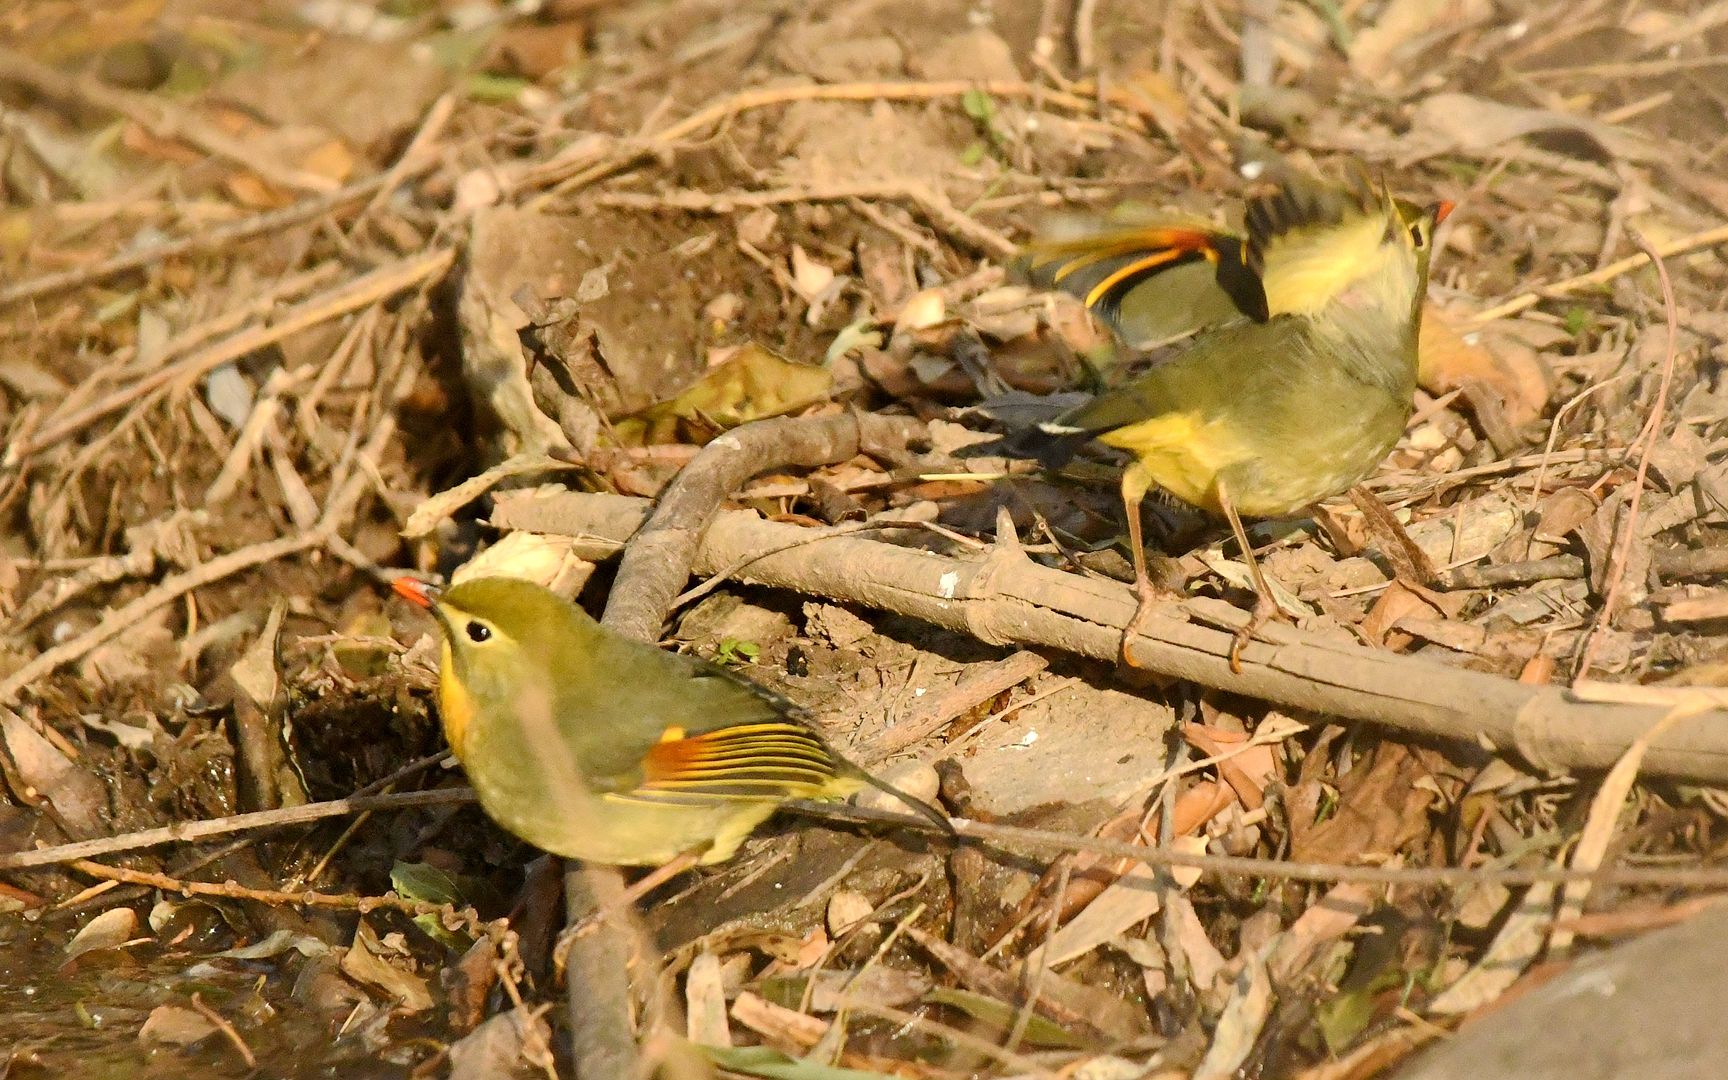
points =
(1221, 370)
(681, 725)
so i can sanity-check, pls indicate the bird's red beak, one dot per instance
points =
(414, 591)
(1443, 210)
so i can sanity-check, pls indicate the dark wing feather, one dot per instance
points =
(1299, 205)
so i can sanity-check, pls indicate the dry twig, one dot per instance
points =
(1005, 599)
(1603, 275)
(1646, 441)
(157, 115)
(380, 284)
(204, 240)
(187, 832)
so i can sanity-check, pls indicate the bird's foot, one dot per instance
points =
(1265, 610)
(635, 891)
(1150, 597)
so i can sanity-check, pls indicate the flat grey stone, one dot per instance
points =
(1650, 1009)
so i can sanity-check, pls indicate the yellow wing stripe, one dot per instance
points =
(1138, 266)
(766, 760)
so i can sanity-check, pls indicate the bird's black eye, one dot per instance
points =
(1416, 236)
(478, 632)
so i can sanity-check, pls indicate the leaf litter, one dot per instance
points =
(268, 294)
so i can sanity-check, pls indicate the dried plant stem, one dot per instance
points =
(137, 611)
(580, 170)
(1603, 275)
(205, 240)
(659, 558)
(338, 511)
(936, 206)
(353, 295)
(125, 364)
(157, 115)
(1013, 837)
(1646, 440)
(1043, 841)
(227, 1031)
(187, 832)
(1004, 598)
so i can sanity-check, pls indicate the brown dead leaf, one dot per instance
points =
(1246, 769)
(1205, 962)
(138, 140)
(1343, 906)
(1378, 52)
(78, 799)
(57, 33)
(135, 656)
(108, 930)
(251, 191)
(1450, 122)
(1601, 538)
(330, 158)
(175, 1026)
(1393, 606)
(1154, 96)
(364, 962)
(540, 51)
(1239, 1022)
(878, 985)
(705, 1002)
(1518, 943)
(542, 558)
(1449, 359)
(1382, 805)
(511, 1044)
(1130, 899)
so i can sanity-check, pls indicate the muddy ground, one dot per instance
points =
(274, 276)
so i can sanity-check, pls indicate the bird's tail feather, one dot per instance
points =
(912, 802)
(1051, 444)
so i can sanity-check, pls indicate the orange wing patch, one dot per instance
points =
(1146, 248)
(750, 761)
(1103, 268)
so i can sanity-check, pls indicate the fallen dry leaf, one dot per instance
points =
(1239, 1024)
(1335, 915)
(108, 930)
(513, 1043)
(1450, 357)
(1463, 122)
(1381, 806)
(1130, 899)
(362, 962)
(175, 1026)
(754, 384)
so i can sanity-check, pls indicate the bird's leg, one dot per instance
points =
(1265, 605)
(635, 891)
(1136, 482)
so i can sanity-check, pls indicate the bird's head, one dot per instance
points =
(502, 642)
(1318, 247)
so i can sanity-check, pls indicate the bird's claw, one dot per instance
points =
(1148, 597)
(1265, 610)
